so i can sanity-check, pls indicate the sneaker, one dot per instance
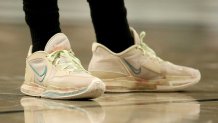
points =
(138, 68)
(57, 74)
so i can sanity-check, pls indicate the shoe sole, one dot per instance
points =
(129, 84)
(94, 90)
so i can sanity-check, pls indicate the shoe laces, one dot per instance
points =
(146, 49)
(66, 60)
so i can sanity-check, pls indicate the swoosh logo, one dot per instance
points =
(40, 77)
(134, 70)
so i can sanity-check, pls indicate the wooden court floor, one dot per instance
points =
(192, 45)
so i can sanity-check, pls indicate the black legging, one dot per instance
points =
(108, 17)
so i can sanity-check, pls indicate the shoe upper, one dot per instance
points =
(138, 60)
(57, 66)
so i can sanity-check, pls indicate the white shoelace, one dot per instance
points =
(65, 60)
(146, 49)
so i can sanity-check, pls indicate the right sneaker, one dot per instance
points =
(56, 73)
(138, 68)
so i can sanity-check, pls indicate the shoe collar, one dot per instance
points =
(57, 42)
(137, 41)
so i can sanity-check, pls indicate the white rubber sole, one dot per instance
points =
(94, 90)
(132, 85)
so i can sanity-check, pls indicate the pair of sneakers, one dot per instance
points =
(57, 74)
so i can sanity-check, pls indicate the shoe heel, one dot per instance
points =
(32, 89)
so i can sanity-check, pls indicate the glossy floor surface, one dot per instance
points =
(194, 46)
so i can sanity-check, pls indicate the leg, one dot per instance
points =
(110, 24)
(43, 19)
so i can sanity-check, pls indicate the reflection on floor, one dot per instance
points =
(135, 111)
(187, 45)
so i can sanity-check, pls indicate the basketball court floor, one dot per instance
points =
(193, 45)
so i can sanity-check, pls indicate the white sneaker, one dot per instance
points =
(57, 74)
(139, 69)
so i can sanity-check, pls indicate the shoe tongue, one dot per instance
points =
(57, 42)
(136, 37)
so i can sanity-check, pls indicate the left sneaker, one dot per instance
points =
(56, 73)
(138, 68)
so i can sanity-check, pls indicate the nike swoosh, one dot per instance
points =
(134, 70)
(40, 77)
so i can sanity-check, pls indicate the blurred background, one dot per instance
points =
(198, 12)
(182, 31)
